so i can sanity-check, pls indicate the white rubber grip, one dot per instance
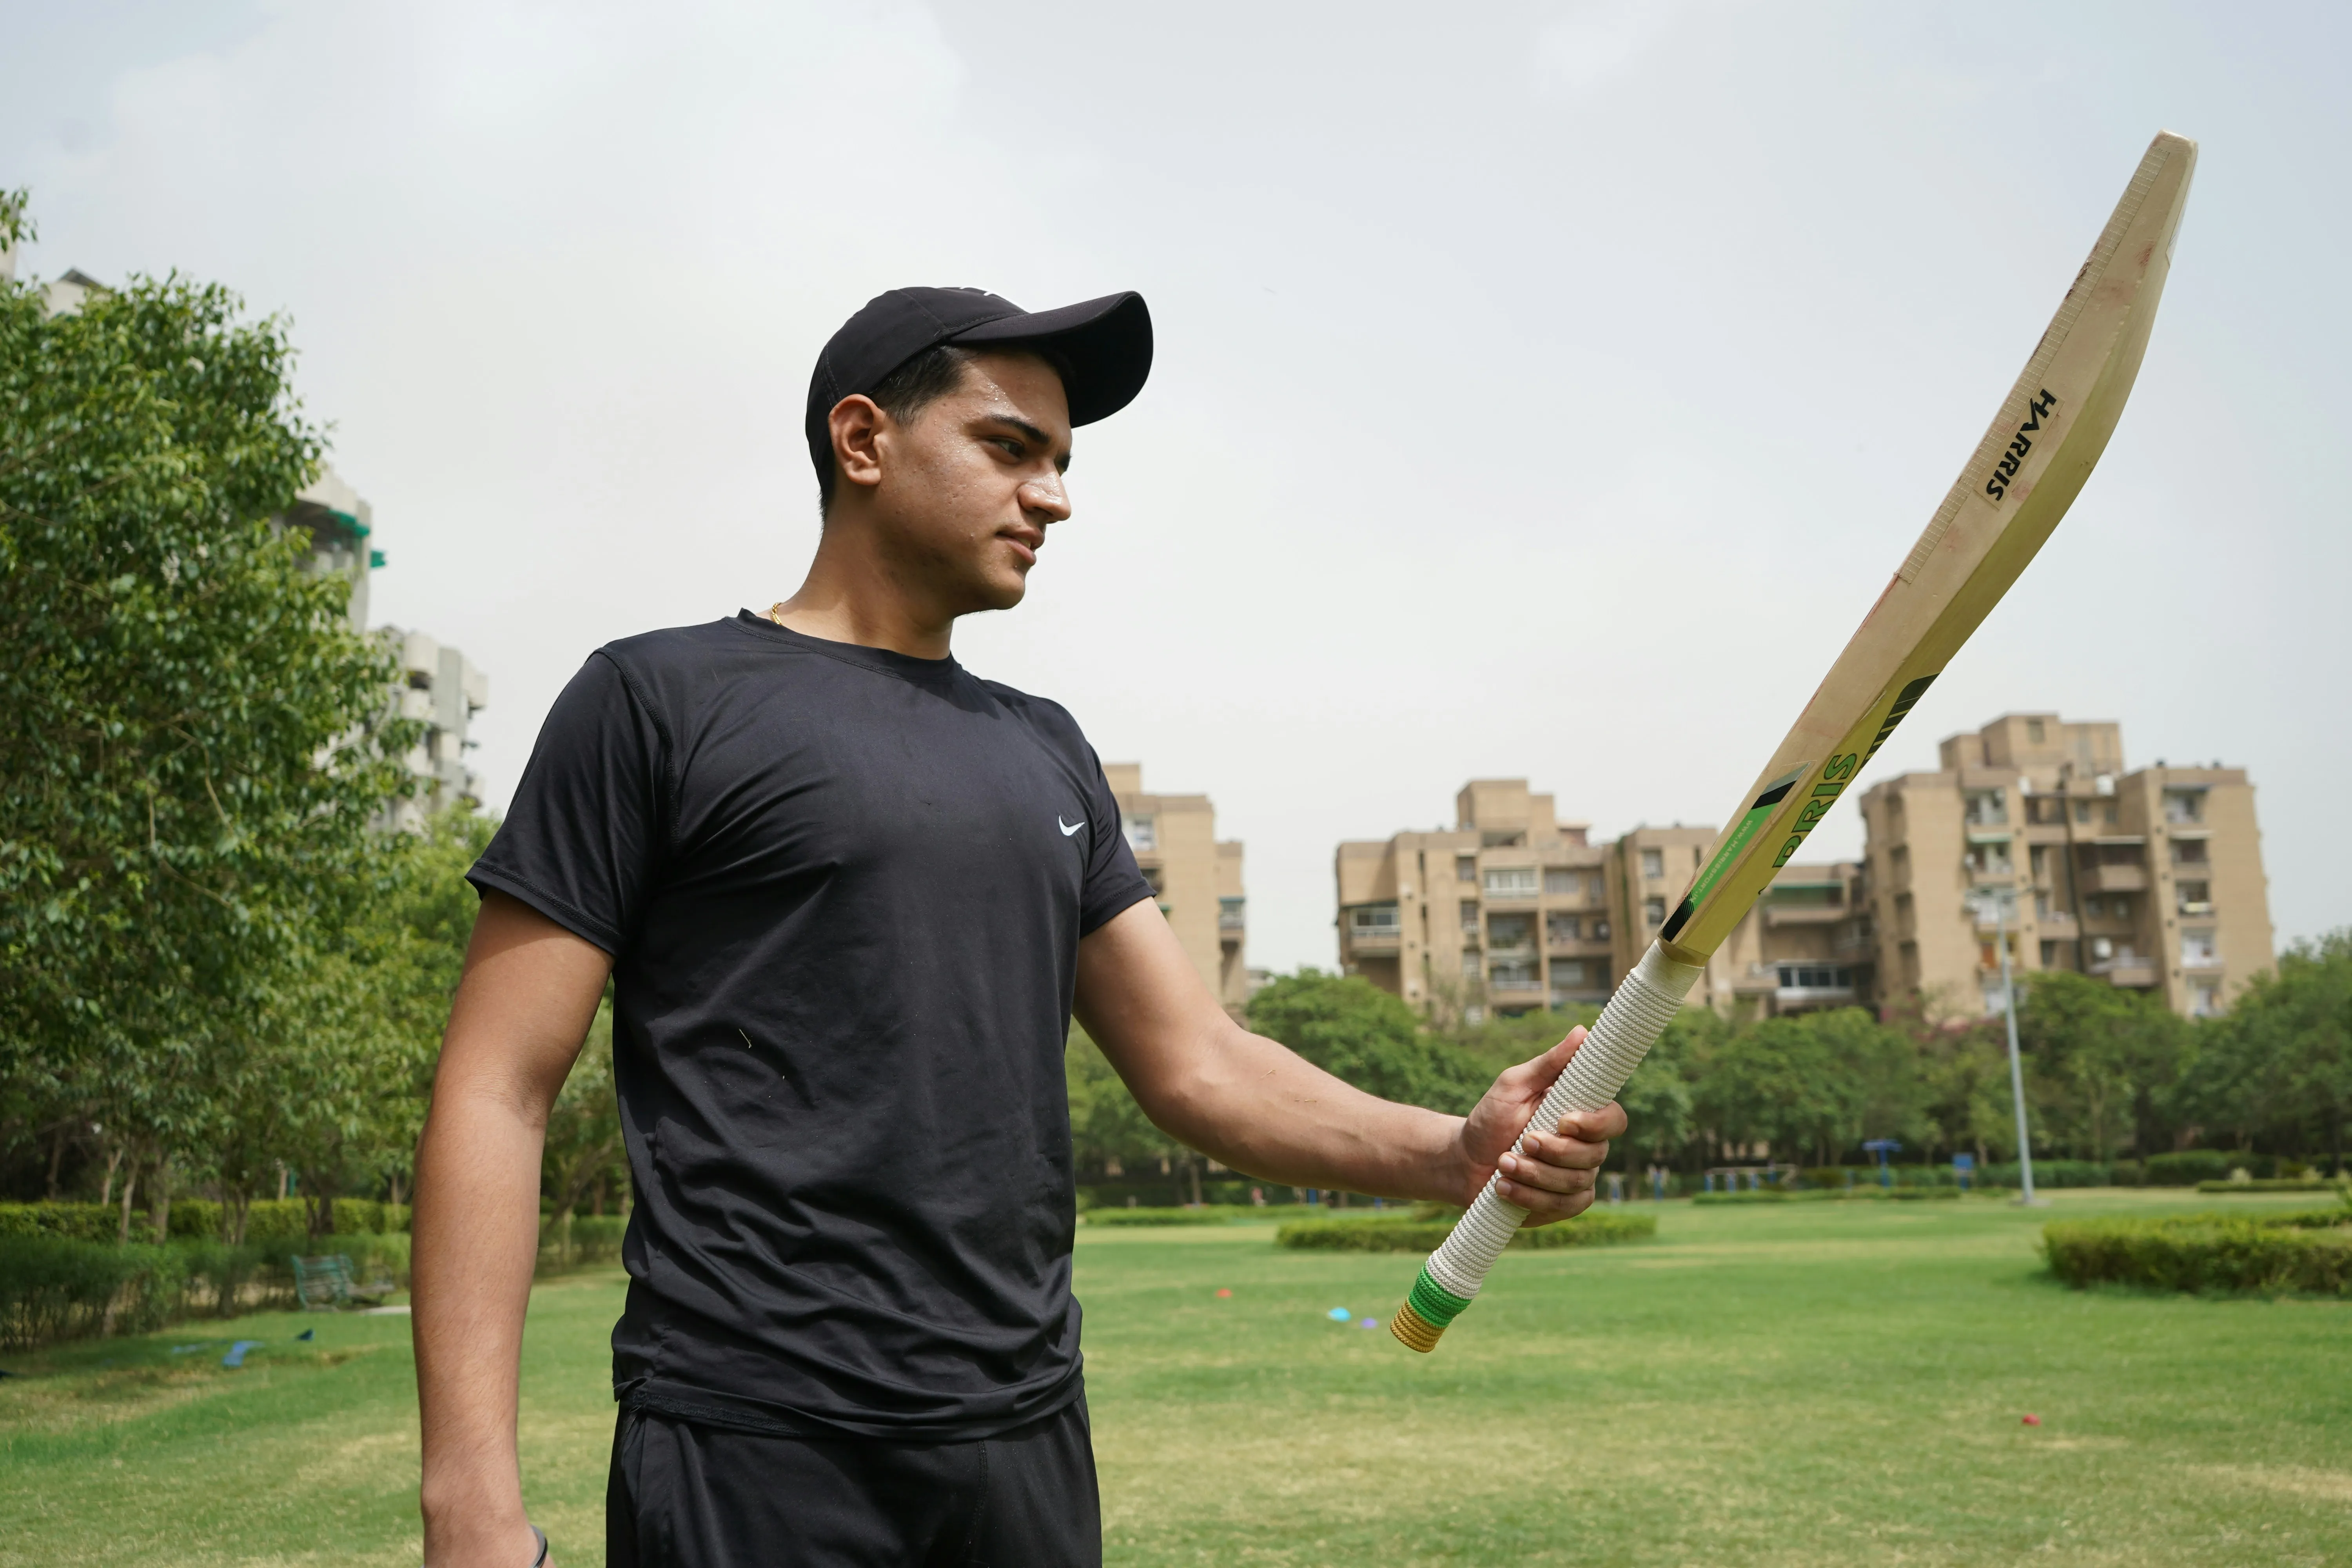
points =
(1636, 1015)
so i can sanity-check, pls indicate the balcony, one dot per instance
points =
(2196, 906)
(2116, 879)
(1512, 985)
(2059, 925)
(1805, 914)
(1374, 939)
(2128, 971)
(1993, 874)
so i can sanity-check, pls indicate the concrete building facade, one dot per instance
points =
(1513, 910)
(2152, 879)
(1197, 879)
(439, 685)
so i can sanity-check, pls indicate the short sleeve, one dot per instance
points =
(1114, 883)
(587, 823)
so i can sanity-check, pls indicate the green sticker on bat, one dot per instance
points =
(1751, 822)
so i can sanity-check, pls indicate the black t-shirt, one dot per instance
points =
(843, 890)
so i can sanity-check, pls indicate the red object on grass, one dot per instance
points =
(1222, 1291)
(2033, 1421)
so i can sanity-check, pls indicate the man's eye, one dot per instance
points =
(1011, 447)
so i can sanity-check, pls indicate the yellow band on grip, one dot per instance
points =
(1412, 1331)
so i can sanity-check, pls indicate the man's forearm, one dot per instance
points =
(476, 1240)
(1253, 1104)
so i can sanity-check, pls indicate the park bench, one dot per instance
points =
(322, 1284)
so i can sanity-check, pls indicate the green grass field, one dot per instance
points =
(1798, 1384)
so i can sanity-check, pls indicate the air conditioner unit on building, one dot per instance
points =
(2101, 948)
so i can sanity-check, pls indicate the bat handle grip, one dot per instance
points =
(1644, 1004)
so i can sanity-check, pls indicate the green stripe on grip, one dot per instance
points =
(1437, 1306)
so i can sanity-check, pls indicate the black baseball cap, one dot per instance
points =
(1103, 348)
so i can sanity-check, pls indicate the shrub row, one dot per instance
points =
(1826, 1195)
(2267, 1184)
(2206, 1252)
(584, 1241)
(1595, 1228)
(54, 1287)
(1207, 1214)
(272, 1220)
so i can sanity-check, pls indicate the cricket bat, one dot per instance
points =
(2017, 484)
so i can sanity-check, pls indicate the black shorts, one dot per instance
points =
(683, 1494)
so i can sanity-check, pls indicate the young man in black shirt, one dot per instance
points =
(848, 895)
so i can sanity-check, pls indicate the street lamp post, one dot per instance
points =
(1999, 902)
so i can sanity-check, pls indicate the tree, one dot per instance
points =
(2281, 1063)
(1109, 1131)
(194, 738)
(1354, 1030)
(2101, 1055)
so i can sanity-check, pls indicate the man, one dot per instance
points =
(847, 896)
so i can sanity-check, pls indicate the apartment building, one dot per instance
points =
(2152, 879)
(438, 685)
(1196, 878)
(1514, 910)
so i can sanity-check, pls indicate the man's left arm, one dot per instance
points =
(1252, 1103)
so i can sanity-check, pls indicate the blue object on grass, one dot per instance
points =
(307, 1334)
(236, 1356)
(1339, 1314)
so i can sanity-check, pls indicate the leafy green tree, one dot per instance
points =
(2281, 1064)
(194, 738)
(1354, 1030)
(2102, 1056)
(1108, 1131)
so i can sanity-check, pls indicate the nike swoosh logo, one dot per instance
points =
(1068, 828)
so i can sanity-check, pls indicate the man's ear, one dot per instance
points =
(857, 422)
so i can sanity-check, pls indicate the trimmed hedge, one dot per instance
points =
(55, 1288)
(588, 1240)
(1827, 1195)
(2304, 1252)
(269, 1221)
(1207, 1214)
(2267, 1185)
(1595, 1228)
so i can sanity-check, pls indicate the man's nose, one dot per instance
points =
(1046, 496)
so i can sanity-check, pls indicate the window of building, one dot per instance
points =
(1562, 928)
(1510, 930)
(1513, 974)
(1653, 862)
(1898, 861)
(1559, 882)
(2037, 856)
(2184, 805)
(1567, 974)
(2196, 898)
(2041, 905)
(1232, 915)
(1510, 882)
(1469, 916)
(2033, 735)
(2204, 1000)
(1153, 877)
(1653, 910)
(1991, 859)
(2108, 813)
(2198, 950)
(1142, 832)
(1600, 930)
(1364, 920)
(2049, 955)
(2190, 852)
(1470, 969)
(1465, 868)
(2083, 811)
(1815, 977)
(1986, 807)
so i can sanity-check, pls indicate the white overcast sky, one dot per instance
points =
(1542, 389)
